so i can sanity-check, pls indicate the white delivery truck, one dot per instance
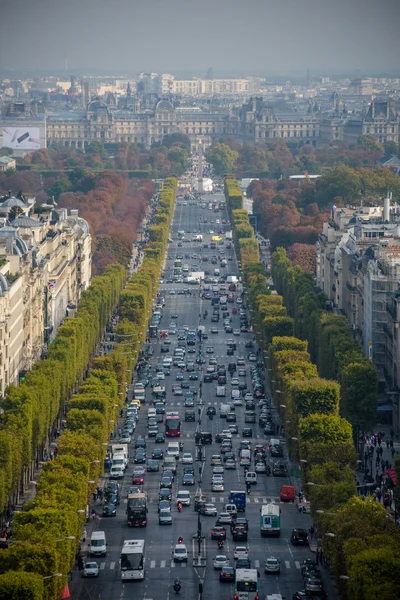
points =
(221, 391)
(228, 235)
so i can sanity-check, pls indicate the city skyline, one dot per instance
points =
(183, 36)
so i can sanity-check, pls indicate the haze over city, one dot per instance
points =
(186, 37)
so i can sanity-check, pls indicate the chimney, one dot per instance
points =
(74, 213)
(386, 207)
(9, 193)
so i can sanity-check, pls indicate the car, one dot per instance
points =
(180, 553)
(239, 533)
(218, 533)
(261, 467)
(125, 438)
(188, 403)
(272, 565)
(166, 480)
(227, 574)
(220, 561)
(152, 466)
(160, 437)
(247, 432)
(112, 487)
(218, 470)
(231, 417)
(152, 431)
(190, 416)
(138, 475)
(165, 517)
(179, 377)
(233, 428)
(165, 494)
(216, 460)
(214, 330)
(230, 463)
(224, 518)
(178, 391)
(133, 489)
(299, 537)
(279, 469)
(243, 563)
(91, 569)
(109, 510)
(236, 332)
(188, 479)
(140, 443)
(193, 376)
(187, 459)
(164, 505)
(209, 350)
(112, 498)
(208, 510)
(217, 486)
(313, 586)
(241, 552)
(183, 497)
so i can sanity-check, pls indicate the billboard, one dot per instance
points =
(21, 138)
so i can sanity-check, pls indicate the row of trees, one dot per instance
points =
(48, 530)
(356, 534)
(331, 344)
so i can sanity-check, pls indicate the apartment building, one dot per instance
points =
(45, 264)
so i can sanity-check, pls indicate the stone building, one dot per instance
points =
(45, 264)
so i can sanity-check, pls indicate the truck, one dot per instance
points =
(159, 393)
(231, 279)
(224, 409)
(223, 300)
(228, 235)
(238, 497)
(117, 449)
(137, 510)
(139, 392)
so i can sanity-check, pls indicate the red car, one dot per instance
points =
(138, 476)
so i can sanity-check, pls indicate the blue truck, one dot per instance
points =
(238, 498)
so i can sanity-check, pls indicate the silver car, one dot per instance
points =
(91, 569)
(165, 517)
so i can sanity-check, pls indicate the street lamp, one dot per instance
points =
(344, 577)
(295, 439)
(281, 405)
(54, 575)
(330, 534)
(326, 512)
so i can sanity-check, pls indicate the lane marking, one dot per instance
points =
(112, 565)
(102, 566)
(152, 564)
(287, 564)
(298, 566)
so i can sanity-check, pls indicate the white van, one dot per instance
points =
(167, 362)
(221, 391)
(183, 496)
(117, 472)
(170, 463)
(98, 544)
(173, 449)
(224, 409)
(231, 509)
(251, 477)
(151, 413)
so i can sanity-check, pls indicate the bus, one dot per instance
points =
(132, 560)
(270, 519)
(246, 584)
(172, 424)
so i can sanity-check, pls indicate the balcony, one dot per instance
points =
(351, 288)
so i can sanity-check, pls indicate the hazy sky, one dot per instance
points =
(239, 36)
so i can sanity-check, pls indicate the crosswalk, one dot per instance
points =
(170, 564)
(224, 500)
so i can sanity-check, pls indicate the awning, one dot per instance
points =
(392, 475)
(388, 407)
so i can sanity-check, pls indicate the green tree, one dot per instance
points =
(340, 185)
(177, 139)
(179, 156)
(222, 158)
(369, 142)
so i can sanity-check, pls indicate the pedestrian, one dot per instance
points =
(84, 536)
(387, 444)
(80, 563)
(317, 558)
(391, 433)
(391, 444)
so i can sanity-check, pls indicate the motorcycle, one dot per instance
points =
(180, 446)
(220, 544)
(210, 416)
(180, 540)
(177, 586)
(179, 507)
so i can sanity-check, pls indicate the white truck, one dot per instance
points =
(221, 391)
(228, 235)
(231, 279)
(224, 409)
(118, 450)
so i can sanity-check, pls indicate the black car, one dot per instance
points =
(240, 522)
(279, 470)
(140, 443)
(239, 533)
(231, 417)
(227, 574)
(247, 432)
(276, 451)
(243, 563)
(299, 537)
(208, 378)
(188, 469)
(188, 479)
(190, 416)
(193, 376)
(153, 466)
(160, 437)
(165, 494)
(112, 498)
(218, 533)
(111, 487)
(220, 437)
(140, 457)
(109, 510)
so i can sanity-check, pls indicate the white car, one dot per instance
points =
(217, 477)
(239, 300)
(183, 496)
(187, 459)
(236, 332)
(218, 470)
(91, 569)
(220, 561)
(160, 375)
(260, 467)
(241, 552)
(227, 433)
(210, 510)
(224, 518)
(237, 401)
(272, 565)
(217, 486)
(180, 553)
(125, 439)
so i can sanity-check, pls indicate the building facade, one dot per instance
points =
(45, 264)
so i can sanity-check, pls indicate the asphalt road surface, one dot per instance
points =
(160, 540)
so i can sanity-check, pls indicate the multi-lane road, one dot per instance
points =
(160, 540)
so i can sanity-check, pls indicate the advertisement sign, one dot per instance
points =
(21, 138)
